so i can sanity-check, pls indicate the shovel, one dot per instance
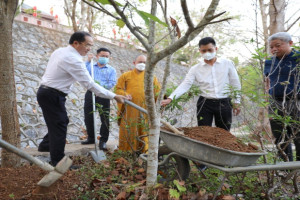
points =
(96, 154)
(175, 130)
(55, 172)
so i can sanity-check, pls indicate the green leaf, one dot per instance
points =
(120, 23)
(174, 193)
(179, 187)
(154, 18)
(145, 18)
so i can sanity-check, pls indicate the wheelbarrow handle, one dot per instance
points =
(26, 156)
(175, 130)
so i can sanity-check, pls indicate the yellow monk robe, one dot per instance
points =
(132, 122)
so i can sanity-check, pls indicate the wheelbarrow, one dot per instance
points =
(182, 149)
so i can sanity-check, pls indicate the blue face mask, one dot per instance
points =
(103, 60)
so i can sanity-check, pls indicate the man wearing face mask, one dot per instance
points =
(133, 123)
(105, 75)
(215, 77)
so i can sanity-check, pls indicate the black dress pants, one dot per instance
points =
(219, 109)
(279, 131)
(56, 118)
(103, 112)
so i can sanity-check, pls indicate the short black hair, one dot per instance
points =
(103, 49)
(207, 40)
(78, 36)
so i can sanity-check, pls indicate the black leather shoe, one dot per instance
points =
(88, 141)
(102, 146)
(43, 149)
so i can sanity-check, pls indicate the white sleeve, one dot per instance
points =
(185, 85)
(79, 72)
(234, 80)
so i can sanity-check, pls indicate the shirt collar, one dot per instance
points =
(204, 63)
(105, 66)
(72, 49)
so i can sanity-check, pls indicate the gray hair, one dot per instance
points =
(283, 36)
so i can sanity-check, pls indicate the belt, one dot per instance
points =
(215, 100)
(54, 90)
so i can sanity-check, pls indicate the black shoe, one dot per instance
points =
(74, 167)
(88, 141)
(43, 149)
(102, 146)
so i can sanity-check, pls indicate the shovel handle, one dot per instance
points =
(26, 156)
(175, 130)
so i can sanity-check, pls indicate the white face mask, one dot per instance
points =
(209, 56)
(140, 66)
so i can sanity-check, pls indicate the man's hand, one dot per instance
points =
(129, 97)
(120, 98)
(236, 109)
(165, 102)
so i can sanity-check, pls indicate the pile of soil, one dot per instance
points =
(218, 137)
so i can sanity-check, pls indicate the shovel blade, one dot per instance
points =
(98, 155)
(49, 179)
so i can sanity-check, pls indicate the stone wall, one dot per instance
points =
(33, 46)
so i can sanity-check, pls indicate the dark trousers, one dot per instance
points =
(56, 118)
(278, 129)
(219, 109)
(103, 112)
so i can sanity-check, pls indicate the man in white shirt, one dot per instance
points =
(217, 77)
(65, 66)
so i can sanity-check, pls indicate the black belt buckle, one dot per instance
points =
(54, 90)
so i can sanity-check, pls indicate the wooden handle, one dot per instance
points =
(167, 124)
(175, 130)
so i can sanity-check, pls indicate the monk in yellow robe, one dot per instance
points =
(133, 133)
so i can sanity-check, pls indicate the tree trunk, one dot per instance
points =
(8, 105)
(154, 116)
(263, 9)
(277, 16)
(73, 16)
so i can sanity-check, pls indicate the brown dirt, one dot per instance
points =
(218, 137)
(21, 183)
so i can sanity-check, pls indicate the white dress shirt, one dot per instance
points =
(214, 81)
(66, 66)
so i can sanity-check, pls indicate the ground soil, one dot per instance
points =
(21, 183)
(218, 137)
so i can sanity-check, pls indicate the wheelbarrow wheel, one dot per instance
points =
(177, 167)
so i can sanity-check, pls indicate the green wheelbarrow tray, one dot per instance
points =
(202, 152)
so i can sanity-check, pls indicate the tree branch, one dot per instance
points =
(129, 26)
(101, 8)
(186, 14)
(169, 58)
(191, 33)
(290, 26)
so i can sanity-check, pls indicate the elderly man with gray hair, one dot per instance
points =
(282, 76)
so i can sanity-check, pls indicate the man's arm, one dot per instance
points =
(76, 68)
(182, 88)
